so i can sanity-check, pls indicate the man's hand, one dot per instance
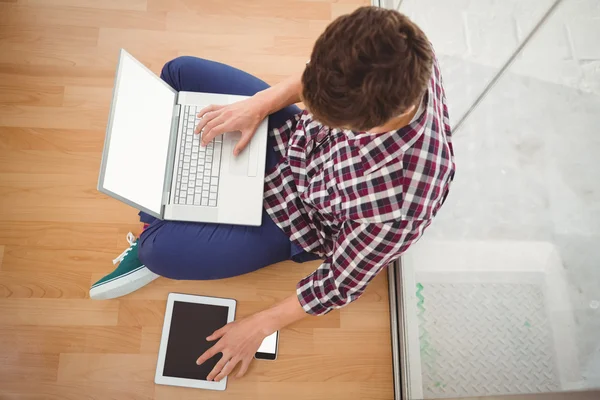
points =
(238, 341)
(244, 116)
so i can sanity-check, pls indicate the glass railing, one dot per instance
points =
(502, 294)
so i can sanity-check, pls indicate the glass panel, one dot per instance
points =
(502, 295)
(473, 39)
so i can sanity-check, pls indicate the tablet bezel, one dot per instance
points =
(161, 379)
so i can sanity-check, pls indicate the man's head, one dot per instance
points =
(366, 68)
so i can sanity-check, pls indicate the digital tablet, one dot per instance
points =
(189, 319)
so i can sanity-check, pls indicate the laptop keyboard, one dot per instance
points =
(197, 180)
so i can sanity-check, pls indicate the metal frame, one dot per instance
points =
(397, 329)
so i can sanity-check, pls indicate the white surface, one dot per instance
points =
(584, 33)
(508, 266)
(162, 352)
(485, 338)
(269, 344)
(482, 34)
(234, 182)
(139, 136)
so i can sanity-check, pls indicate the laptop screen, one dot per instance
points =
(135, 152)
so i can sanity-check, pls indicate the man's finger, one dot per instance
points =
(209, 116)
(241, 144)
(244, 367)
(207, 137)
(212, 107)
(215, 371)
(218, 333)
(208, 354)
(206, 132)
(227, 369)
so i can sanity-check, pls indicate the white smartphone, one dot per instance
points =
(268, 347)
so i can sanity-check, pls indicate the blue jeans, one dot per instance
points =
(200, 251)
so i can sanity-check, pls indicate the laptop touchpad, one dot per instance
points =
(238, 166)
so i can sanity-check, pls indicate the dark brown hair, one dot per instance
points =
(366, 68)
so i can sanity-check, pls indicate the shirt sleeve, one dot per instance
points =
(360, 252)
(282, 134)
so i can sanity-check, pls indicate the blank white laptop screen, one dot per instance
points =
(139, 135)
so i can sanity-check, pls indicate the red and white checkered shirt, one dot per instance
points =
(358, 199)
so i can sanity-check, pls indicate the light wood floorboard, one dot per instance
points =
(58, 234)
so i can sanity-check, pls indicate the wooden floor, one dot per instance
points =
(58, 234)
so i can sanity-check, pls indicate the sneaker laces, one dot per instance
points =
(131, 240)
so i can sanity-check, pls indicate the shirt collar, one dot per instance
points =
(378, 150)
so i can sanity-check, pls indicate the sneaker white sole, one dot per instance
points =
(123, 285)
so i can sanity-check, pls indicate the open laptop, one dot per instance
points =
(153, 161)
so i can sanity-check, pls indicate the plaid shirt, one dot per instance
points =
(359, 200)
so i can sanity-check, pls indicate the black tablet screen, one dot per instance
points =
(191, 323)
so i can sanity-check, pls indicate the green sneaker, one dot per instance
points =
(129, 276)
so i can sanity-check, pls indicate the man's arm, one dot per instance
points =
(361, 251)
(238, 341)
(281, 95)
(246, 115)
(282, 314)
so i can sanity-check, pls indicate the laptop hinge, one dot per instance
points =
(176, 111)
(171, 154)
